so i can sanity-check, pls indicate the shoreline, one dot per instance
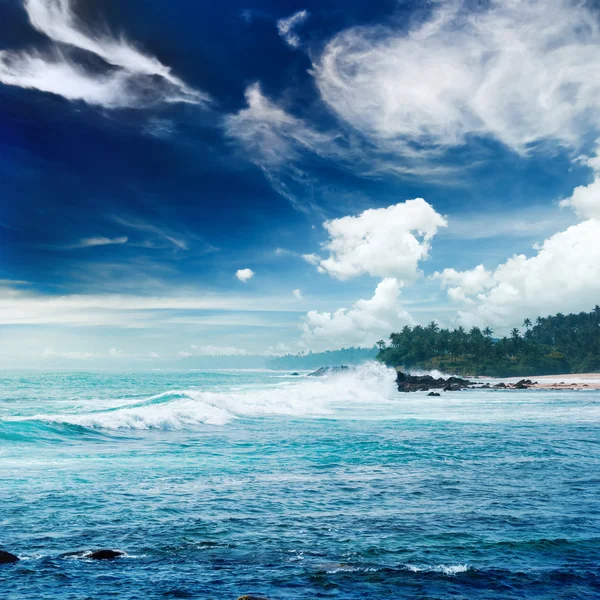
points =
(573, 381)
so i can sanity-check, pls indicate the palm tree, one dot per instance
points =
(433, 327)
(380, 344)
(527, 323)
(488, 332)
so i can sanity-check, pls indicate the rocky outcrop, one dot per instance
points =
(252, 598)
(7, 558)
(425, 383)
(328, 371)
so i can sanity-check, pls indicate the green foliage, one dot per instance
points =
(316, 360)
(553, 345)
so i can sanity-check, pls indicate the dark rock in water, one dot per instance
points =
(425, 383)
(252, 598)
(105, 554)
(295, 374)
(433, 394)
(523, 384)
(7, 558)
(500, 386)
(328, 371)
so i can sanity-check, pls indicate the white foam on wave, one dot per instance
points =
(449, 570)
(371, 383)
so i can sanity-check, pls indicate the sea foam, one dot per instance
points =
(371, 383)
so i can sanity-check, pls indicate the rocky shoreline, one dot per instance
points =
(427, 383)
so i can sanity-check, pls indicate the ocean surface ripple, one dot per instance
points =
(218, 484)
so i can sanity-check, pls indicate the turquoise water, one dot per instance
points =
(228, 483)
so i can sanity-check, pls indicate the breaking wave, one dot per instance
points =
(370, 383)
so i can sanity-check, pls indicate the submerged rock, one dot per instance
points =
(328, 371)
(105, 554)
(433, 394)
(7, 558)
(253, 598)
(295, 374)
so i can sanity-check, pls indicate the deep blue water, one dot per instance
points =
(230, 483)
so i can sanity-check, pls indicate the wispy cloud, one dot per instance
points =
(179, 240)
(517, 71)
(286, 27)
(91, 242)
(132, 79)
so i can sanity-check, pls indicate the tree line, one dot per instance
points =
(546, 346)
(316, 360)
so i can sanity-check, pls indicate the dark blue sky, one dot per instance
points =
(149, 150)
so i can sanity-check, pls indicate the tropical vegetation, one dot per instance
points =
(316, 360)
(548, 345)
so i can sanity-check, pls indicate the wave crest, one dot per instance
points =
(181, 409)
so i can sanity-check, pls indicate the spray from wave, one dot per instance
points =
(371, 383)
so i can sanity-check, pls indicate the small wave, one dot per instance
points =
(371, 383)
(449, 570)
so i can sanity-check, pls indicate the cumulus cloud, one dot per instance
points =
(521, 71)
(361, 325)
(382, 242)
(244, 275)
(585, 199)
(286, 27)
(561, 277)
(131, 79)
(297, 294)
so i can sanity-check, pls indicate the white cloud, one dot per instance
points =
(383, 242)
(99, 241)
(561, 277)
(115, 352)
(313, 259)
(521, 71)
(132, 79)
(278, 350)
(270, 134)
(585, 199)
(183, 354)
(153, 355)
(211, 350)
(361, 325)
(275, 140)
(51, 353)
(244, 275)
(286, 27)
(297, 294)
(22, 307)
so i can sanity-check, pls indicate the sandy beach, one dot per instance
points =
(575, 381)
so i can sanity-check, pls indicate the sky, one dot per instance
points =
(200, 178)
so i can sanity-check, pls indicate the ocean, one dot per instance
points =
(219, 484)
